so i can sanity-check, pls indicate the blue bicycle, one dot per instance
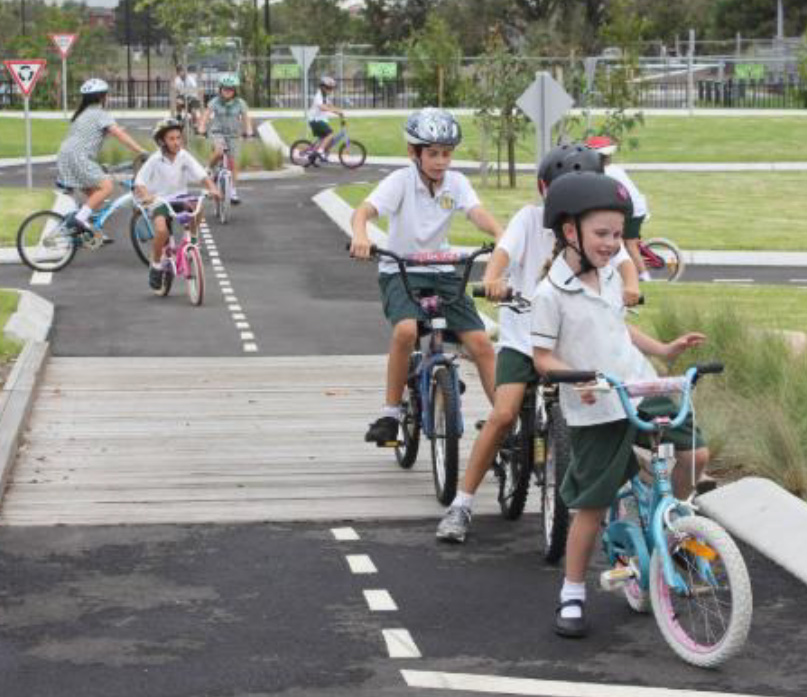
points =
(432, 402)
(664, 556)
(352, 153)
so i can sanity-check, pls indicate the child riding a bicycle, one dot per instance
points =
(186, 95)
(577, 322)
(517, 263)
(318, 117)
(420, 201)
(226, 119)
(166, 174)
(77, 161)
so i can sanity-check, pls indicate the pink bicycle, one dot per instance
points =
(184, 260)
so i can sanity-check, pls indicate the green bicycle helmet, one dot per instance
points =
(229, 81)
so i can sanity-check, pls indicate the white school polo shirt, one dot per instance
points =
(418, 221)
(529, 245)
(161, 177)
(316, 112)
(637, 197)
(587, 331)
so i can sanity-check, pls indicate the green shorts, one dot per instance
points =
(513, 367)
(603, 458)
(232, 142)
(633, 227)
(398, 306)
(320, 129)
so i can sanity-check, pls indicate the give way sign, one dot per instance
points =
(26, 73)
(63, 42)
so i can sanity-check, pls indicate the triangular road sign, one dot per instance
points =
(304, 55)
(26, 72)
(63, 42)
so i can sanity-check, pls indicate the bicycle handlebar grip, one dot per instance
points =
(479, 292)
(571, 376)
(715, 367)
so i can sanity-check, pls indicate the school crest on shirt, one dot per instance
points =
(446, 201)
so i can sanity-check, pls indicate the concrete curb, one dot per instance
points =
(33, 319)
(765, 516)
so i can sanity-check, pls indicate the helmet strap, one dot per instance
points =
(431, 183)
(585, 262)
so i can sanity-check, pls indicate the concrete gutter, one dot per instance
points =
(32, 323)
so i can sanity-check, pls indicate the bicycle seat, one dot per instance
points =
(64, 188)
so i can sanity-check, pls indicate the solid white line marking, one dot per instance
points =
(361, 564)
(798, 280)
(380, 601)
(250, 348)
(41, 278)
(732, 280)
(400, 644)
(493, 684)
(345, 534)
(247, 336)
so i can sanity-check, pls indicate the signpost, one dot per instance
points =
(25, 74)
(544, 102)
(304, 55)
(64, 43)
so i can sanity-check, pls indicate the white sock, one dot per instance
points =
(234, 192)
(84, 213)
(393, 411)
(463, 500)
(645, 276)
(572, 591)
(157, 265)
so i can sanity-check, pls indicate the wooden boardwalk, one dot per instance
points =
(202, 440)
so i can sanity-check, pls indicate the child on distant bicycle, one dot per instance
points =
(518, 262)
(77, 162)
(633, 226)
(166, 174)
(318, 117)
(578, 323)
(227, 118)
(186, 95)
(420, 201)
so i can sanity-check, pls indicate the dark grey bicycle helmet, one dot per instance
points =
(575, 194)
(432, 126)
(564, 159)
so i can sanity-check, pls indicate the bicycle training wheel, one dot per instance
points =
(516, 462)
(195, 275)
(445, 436)
(223, 205)
(663, 259)
(709, 623)
(407, 452)
(45, 243)
(557, 456)
(300, 151)
(352, 155)
(142, 236)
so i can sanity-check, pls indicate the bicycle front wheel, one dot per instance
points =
(195, 279)
(663, 259)
(517, 461)
(300, 152)
(557, 457)
(445, 403)
(407, 452)
(45, 242)
(709, 623)
(352, 155)
(141, 234)
(223, 204)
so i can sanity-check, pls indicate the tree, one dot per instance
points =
(756, 18)
(293, 20)
(434, 60)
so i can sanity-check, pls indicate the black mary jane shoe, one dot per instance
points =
(571, 627)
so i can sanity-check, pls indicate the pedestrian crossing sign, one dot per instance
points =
(26, 73)
(63, 43)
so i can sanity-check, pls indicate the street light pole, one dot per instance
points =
(267, 27)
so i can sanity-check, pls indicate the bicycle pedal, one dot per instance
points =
(614, 579)
(389, 444)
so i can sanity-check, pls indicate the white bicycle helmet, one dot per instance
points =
(94, 85)
(432, 126)
(326, 81)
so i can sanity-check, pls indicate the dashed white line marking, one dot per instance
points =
(221, 275)
(798, 280)
(229, 298)
(242, 325)
(400, 644)
(345, 534)
(361, 564)
(234, 308)
(247, 336)
(494, 684)
(250, 348)
(41, 278)
(380, 601)
(240, 316)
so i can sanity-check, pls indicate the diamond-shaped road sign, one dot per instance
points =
(63, 42)
(26, 73)
(545, 101)
(304, 55)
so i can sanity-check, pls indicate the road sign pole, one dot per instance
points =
(64, 85)
(28, 172)
(305, 85)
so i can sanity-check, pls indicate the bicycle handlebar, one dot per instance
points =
(182, 216)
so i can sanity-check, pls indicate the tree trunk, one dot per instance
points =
(483, 154)
(440, 86)
(511, 159)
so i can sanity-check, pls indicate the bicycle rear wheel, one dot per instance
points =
(407, 452)
(141, 234)
(554, 514)
(663, 259)
(517, 462)
(709, 623)
(445, 403)
(45, 242)
(195, 279)
(352, 155)
(300, 152)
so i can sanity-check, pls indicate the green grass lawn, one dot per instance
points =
(16, 205)
(46, 136)
(662, 139)
(715, 210)
(8, 347)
